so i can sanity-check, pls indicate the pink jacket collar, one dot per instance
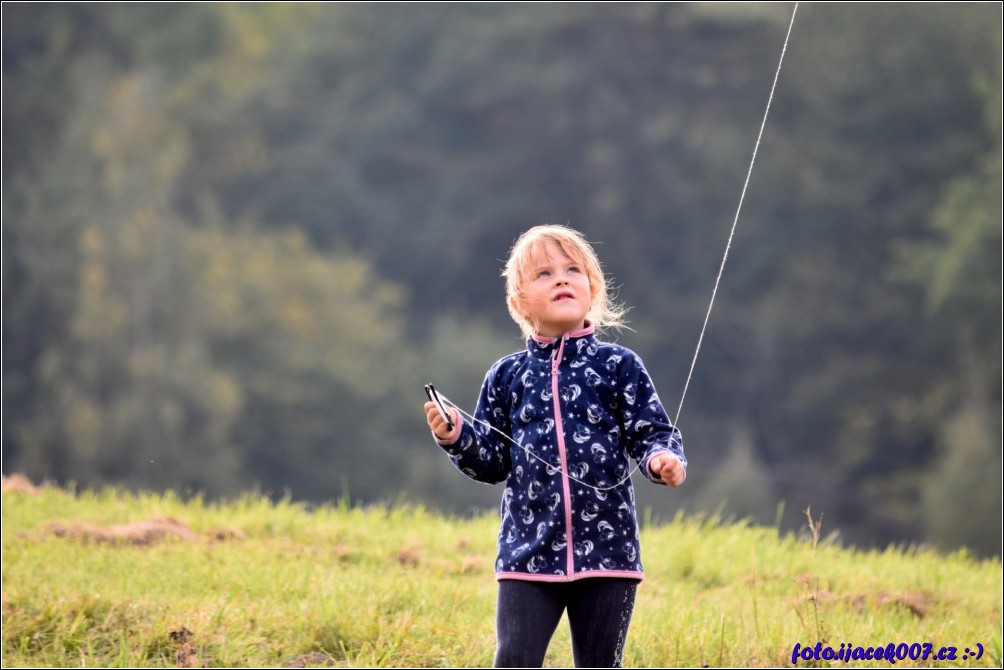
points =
(589, 329)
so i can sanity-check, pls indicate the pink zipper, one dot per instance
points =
(560, 432)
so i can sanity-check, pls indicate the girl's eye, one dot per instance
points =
(543, 273)
(574, 269)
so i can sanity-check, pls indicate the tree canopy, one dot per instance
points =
(238, 238)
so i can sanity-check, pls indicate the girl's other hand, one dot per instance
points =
(668, 468)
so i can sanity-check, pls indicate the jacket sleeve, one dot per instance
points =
(475, 449)
(646, 425)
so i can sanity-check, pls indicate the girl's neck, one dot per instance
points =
(586, 329)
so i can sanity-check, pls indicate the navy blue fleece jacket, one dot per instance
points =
(584, 409)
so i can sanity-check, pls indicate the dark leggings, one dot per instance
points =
(599, 612)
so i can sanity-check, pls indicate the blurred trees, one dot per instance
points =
(960, 269)
(237, 238)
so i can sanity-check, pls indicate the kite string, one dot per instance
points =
(529, 453)
(714, 291)
(742, 197)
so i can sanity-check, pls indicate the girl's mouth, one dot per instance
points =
(564, 295)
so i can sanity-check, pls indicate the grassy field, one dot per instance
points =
(111, 579)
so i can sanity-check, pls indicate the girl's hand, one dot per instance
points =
(438, 424)
(667, 467)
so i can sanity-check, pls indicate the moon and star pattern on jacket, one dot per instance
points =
(584, 408)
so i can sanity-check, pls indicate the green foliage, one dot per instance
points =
(239, 237)
(959, 268)
(970, 464)
(194, 355)
(260, 583)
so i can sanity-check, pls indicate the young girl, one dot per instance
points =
(576, 410)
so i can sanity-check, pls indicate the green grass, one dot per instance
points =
(276, 585)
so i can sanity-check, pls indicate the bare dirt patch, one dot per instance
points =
(918, 604)
(186, 652)
(145, 533)
(139, 533)
(18, 484)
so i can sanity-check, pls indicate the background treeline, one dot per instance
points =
(238, 238)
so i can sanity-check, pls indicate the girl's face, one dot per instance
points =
(556, 294)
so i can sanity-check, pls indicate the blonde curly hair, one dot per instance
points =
(605, 311)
